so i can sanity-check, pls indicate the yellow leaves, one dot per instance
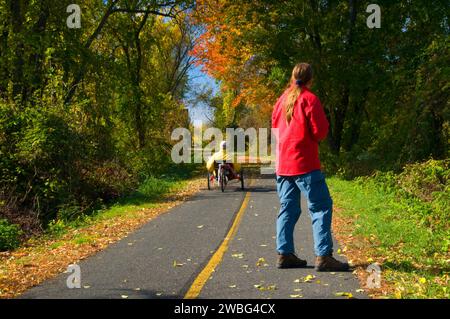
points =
(261, 263)
(124, 297)
(266, 288)
(349, 295)
(296, 296)
(238, 256)
(309, 278)
(232, 286)
(176, 264)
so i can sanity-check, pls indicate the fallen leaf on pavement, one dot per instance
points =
(265, 288)
(309, 278)
(261, 263)
(344, 294)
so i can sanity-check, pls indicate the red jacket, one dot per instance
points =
(298, 142)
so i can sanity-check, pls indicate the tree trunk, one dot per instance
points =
(17, 19)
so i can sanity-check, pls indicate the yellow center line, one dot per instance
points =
(205, 274)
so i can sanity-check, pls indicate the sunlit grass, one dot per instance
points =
(415, 253)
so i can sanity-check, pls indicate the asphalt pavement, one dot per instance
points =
(165, 257)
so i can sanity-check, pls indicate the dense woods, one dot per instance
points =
(86, 114)
(386, 91)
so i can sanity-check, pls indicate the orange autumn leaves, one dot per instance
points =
(224, 53)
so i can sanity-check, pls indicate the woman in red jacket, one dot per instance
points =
(300, 123)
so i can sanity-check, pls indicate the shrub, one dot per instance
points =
(154, 187)
(425, 180)
(107, 180)
(9, 235)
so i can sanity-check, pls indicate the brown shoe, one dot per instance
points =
(290, 261)
(329, 264)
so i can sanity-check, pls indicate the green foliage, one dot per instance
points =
(81, 122)
(57, 228)
(154, 187)
(9, 235)
(426, 181)
(406, 218)
(385, 91)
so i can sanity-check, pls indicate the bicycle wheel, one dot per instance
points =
(222, 180)
(209, 180)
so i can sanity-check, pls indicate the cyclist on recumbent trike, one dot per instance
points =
(224, 162)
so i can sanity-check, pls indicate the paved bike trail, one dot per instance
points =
(162, 259)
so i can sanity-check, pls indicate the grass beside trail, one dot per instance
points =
(147, 196)
(409, 237)
(64, 243)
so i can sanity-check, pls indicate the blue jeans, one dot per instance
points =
(320, 205)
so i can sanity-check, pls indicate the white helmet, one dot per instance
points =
(223, 145)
